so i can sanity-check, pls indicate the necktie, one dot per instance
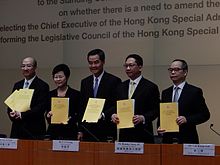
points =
(131, 91)
(95, 89)
(26, 84)
(176, 94)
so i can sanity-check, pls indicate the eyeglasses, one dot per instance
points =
(129, 65)
(174, 69)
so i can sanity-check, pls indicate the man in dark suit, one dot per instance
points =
(192, 107)
(98, 85)
(146, 96)
(30, 124)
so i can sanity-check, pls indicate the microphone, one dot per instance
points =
(28, 133)
(148, 132)
(157, 138)
(89, 132)
(211, 125)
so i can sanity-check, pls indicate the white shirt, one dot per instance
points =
(180, 86)
(29, 82)
(99, 79)
(136, 81)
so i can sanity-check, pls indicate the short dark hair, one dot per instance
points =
(138, 59)
(61, 67)
(98, 52)
(184, 64)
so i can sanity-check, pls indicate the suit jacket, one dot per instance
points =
(32, 123)
(192, 105)
(106, 90)
(65, 131)
(147, 99)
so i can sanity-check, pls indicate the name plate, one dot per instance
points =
(8, 143)
(199, 149)
(129, 147)
(65, 145)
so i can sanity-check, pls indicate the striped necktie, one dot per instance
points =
(26, 84)
(176, 94)
(95, 89)
(131, 91)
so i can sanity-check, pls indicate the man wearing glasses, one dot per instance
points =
(30, 124)
(146, 96)
(191, 103)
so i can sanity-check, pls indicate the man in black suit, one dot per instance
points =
(192, 107)
(146, 96)
(30, 124)
(98, 85)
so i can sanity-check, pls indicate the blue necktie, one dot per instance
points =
(95, 89)
(176, 94)
(26, 84)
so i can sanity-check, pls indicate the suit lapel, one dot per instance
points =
(124, 90)
(90, 84)
(21, 84)
(183, 93)
(102, 83)
(33, 84)
(167, 95)
(170, 94)
(139, 87)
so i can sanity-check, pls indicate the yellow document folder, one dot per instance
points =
(60, 109)
(20, 100)
(10, 101)
(168, 116)
(93, 110)
(125, 112)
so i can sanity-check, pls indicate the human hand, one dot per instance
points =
(138, 119)
(12, 114)
(15, 114)
(160, 131)
(18, 115)
(80, 136)
(49, 114)
(181, 120)
(115, 118)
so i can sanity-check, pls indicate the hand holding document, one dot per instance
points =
(93, 110)
(20, 100)
(125, 112)
(168, 116)
(60, 109)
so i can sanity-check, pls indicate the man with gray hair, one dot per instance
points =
(30, 124)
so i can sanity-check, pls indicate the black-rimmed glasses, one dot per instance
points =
(174, 69)
(129, 65)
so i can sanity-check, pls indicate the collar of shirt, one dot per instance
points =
(29, 81)
(180, 86)
(136, 81)
(99, 78)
